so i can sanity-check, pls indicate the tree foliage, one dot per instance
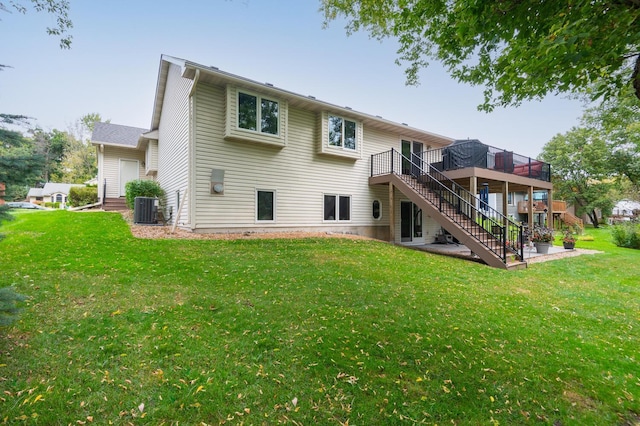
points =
(617, 120)
(580, 161)
(20, 165)
(82, 196)
(519, 50)
(59, 9)
(51, 147)
(43, 156)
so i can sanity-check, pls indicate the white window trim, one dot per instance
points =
(344, 126)
(275, 207)
(337, 196)
(339, 151)
(259, 99)
(235, 133)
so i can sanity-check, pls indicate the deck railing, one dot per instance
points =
(473, 153)
(453, 201)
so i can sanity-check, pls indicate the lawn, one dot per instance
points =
(119, 330)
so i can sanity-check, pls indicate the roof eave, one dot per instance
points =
(189, 71)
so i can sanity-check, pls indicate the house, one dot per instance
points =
(561, 214)
(625, 210)
(51, 193)
(3, 189)
(237, 155)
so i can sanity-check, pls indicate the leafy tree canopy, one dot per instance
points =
(519, 50)
(581, 164)
(617, 120)
(58, 8)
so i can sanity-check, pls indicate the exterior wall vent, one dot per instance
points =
(145, 210)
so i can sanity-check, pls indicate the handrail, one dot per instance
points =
(474, 153)
(489, 224)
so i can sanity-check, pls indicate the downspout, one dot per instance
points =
(192, 151)
(195, 82)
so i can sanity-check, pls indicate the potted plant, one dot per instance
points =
(568, 240)
(542, 238)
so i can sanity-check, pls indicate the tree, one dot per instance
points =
(618, 122)
(79, 163)
(51, 147)
(20, 165)
(58, 8)
(582, 174)
(519, 50)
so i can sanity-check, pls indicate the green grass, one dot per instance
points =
(318, 331)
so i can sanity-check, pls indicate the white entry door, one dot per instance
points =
(128, 172)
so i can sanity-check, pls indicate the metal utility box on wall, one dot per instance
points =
(217, 182)
(145, 210)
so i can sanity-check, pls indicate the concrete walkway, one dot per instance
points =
(530, 253)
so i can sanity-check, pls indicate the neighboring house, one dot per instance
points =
(563, 215)
(51, 193)
(3, 188)
(244, 156)
(122, 154)
(625, 210)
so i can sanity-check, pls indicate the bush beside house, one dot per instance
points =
(142, 188)
(83, 196)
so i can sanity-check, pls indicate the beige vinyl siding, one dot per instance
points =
(151, 155)
(173, 142)
(297, 172)
(111, 160)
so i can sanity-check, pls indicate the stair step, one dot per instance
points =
(115, 204)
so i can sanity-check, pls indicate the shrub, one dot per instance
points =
(8, 308)
(626, 235)
(142, 188)
(542, 234)
(4, 213)
(82, 196)
(55, 205)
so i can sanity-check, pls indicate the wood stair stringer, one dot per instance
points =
(483, 252)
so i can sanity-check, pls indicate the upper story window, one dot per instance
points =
(340, 136)
(255, 117)
(342, 132)
(257, 113)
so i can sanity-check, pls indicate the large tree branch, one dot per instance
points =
(635, 77)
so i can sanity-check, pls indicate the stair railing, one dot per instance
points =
(491, 228)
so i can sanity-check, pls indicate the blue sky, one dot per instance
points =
(113, 65)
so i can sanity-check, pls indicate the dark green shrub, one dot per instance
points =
(626, 235)
(8, 305)
(82, 196)
(142, 188)
(4, 215)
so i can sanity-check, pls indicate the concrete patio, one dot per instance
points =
(530, 253)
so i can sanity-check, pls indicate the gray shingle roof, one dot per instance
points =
(115, 134)
(34, 192)
(52, 188)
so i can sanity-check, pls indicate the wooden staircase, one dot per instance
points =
(465, 229)
(115, 204)
(566, 216)
(488, 233)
